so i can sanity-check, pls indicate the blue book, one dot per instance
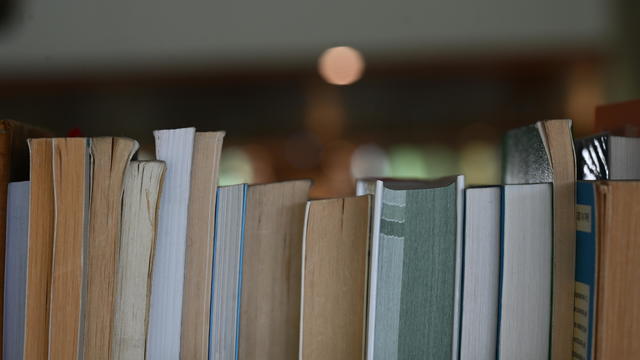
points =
(226, 279)
(586, 267)
(15, 274)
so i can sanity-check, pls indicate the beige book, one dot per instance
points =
(194, 338)
(559, 145)
(110, 158)
(617, 315)
(142, 185)
(71, 182)
(334, 279)
(40, 250)
(270, 301)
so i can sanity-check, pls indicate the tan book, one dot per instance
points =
(14, 161)
(142, 185)
(40, 251)
(194, 338)
(71, 182)
(334, 279)
(110, 158)
(270, 301)
(617, 316)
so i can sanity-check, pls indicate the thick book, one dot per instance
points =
(480, 278)
(607, 302)
(142, 184)
(334, 279)
(226, 273)
(14, 161)
(526, 248)
(200, 228)
(109, 160)
(15, 275)
(608, 157)
(270, 301)
(416, 259)
(71, 184)
(40, 250)
(175, 148)
(543, 153)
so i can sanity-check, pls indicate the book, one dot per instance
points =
(71, 184)
(110, 158)
(40, 250)
(415, 277)
(607, 314)
(618, 118)
(200, 228)
(608, 157)
(526, 248)
(175, 148)
(226, 275)
(334, 278)
(542, 153)
(481, 273)
(142, 185)
(270, 301)
(586, 271)
(14, 161)
(15, 269)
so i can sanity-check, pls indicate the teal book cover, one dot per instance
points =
(586, 267)
(418, 273)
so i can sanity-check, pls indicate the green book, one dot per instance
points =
(414, 296)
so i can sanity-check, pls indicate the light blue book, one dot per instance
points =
(586, 267)
(15, 271)
(226, 279)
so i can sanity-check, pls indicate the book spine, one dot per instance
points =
(586, 267)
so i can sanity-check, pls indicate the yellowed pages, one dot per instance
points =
(40, 251)
(71, 194)
(110, 158)
(194, 338)
(270, 302)
(334, 279)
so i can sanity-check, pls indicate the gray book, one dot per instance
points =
(608, 157)
(15, 271)
(481, 273)
(543, 153)
(414, 297)
(525, 272)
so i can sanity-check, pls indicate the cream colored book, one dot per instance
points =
(270, 301)
(334, 279)
(110, 158)
(40, 251)
(142, 184)
(71, 183)
(199, 252)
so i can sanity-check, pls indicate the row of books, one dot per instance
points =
(113, 258)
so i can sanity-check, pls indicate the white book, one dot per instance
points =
(480, 274)
(175, 148)
(526, 277)
(227, 272)
(15, 270)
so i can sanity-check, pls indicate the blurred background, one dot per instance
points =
(328, 90)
